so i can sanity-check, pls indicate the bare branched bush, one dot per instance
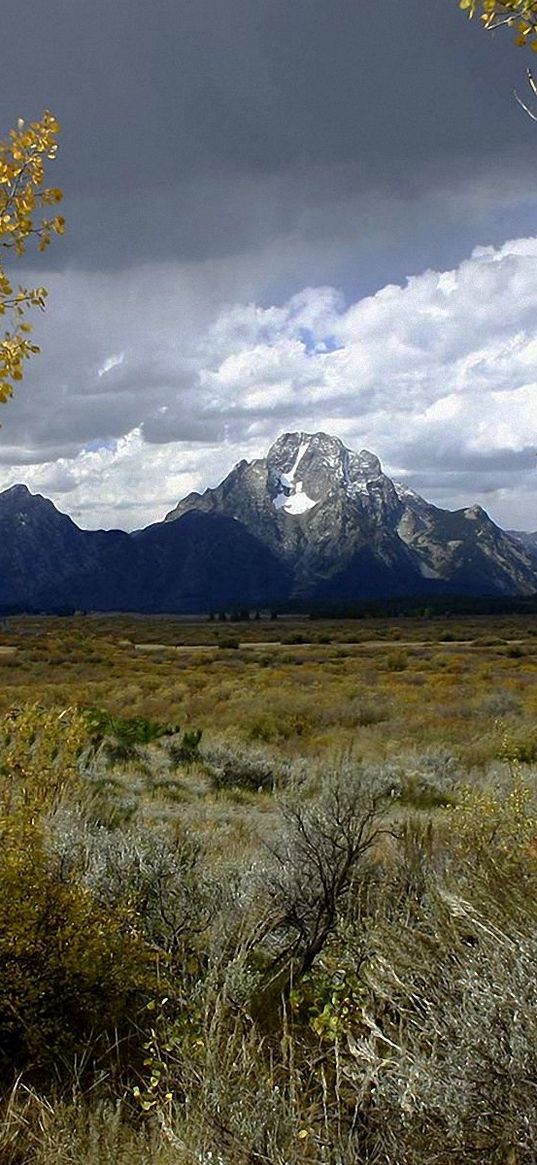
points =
(323, 848)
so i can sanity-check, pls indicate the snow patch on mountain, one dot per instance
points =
(295, 503)
(288, 479)
(292, 497)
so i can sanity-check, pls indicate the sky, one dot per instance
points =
(301, 215)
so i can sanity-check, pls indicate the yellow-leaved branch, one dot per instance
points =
(23, 218)
(520, 15)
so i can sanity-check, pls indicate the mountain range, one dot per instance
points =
(312, 522)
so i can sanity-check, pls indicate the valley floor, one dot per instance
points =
(269, 891)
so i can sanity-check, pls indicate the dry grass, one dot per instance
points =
(423, 705)
(361, 691)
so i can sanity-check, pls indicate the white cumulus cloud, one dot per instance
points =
(147, 391)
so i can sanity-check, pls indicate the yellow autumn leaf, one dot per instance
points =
(22, 198)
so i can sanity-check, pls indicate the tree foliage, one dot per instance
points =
(520, 15)
(23, 199)
(75, 970)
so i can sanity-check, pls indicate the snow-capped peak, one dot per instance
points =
(327, 468)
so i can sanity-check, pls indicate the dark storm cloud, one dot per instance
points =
(220, 156)
(198, 129)
(434, 459)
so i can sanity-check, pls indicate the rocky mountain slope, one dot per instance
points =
(42, 550)
(347, 531)
(202, 562)
(528, 539)
(311, 522)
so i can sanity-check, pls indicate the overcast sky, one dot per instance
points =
(283, 214)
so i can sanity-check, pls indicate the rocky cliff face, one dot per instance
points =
(330, 513)
(526, 538)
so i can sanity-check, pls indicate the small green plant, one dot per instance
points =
(185, 751)
(127, 729)
(120, 737)
(331, 998)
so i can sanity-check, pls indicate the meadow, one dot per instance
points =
(268, 890)
(311, 689)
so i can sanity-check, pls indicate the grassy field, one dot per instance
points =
(382, 689)
(268, 891)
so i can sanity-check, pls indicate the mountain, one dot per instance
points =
(311, 522)
(42, 551)
(528, 539)
(202, 562)
(347, 531)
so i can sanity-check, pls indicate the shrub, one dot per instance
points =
(418, 792)
(396, 661)
(73, 973)
(501, 703)
(514, 748)
(429, 780)
(157, 880)
(514, 652)
(324, 847)
(495, 830)
(365, 712)
(119, 738)
(232, 768)
(454, 998)
(185, 751)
